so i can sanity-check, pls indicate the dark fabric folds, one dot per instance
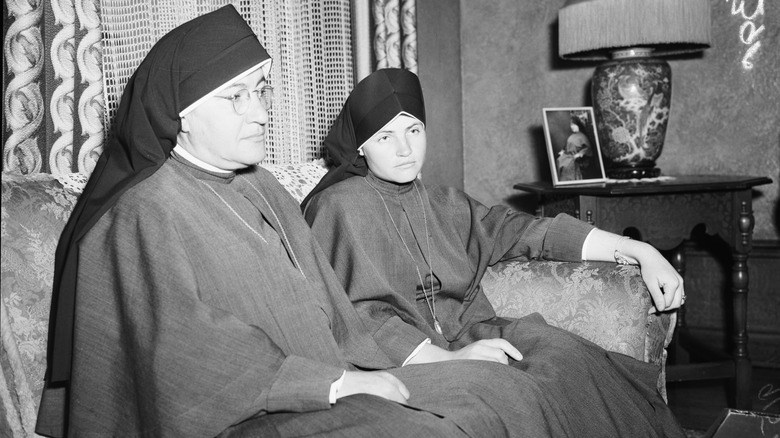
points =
(374, 102)
(184, 65)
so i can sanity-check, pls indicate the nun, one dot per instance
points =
(411, 258)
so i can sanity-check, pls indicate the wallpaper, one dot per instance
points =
(725, 101)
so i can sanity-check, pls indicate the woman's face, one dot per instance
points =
(216, 134)
(396, 153)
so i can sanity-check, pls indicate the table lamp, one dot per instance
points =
(632, 90)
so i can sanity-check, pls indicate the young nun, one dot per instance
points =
(190, 298)
(412, 257)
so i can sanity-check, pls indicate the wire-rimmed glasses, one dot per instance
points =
(243, 97)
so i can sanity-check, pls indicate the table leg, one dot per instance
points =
(678, 262)
(740, 281)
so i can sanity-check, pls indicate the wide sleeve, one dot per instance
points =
(152, 355)
(344, 231)
(498, 233)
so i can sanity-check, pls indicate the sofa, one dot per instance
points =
(603, 302)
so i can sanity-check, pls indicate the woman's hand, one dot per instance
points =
(493, 350)
(663, 281)
(379, 383)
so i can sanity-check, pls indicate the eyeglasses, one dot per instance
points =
(242, 98)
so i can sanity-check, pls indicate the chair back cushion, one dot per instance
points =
(35, 209)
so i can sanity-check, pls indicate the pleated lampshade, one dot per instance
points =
(631, 90)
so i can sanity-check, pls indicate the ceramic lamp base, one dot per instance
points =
(631, 101)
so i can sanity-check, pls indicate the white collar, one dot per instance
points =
(184, 153)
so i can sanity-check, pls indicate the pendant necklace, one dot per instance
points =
(234, 212)
(431, 302)
(246, 224)
(281, 227)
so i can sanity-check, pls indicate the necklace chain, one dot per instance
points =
(431, 302)
(281, 227)
(234, 212)
(246, 224)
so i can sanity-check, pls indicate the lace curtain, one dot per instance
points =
(68, 60)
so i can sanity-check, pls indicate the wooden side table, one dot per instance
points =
(664, 213)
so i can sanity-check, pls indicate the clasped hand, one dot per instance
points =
(378, 383)
(493, 350)
(386, 385)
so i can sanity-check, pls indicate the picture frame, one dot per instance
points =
(573, 146)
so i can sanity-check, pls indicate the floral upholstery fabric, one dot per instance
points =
(35, 209)
(602, 302)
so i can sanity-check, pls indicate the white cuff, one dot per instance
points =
(416, 350)
(335, 387)
(585, 244)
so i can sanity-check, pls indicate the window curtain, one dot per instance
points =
(52, 86)
(385, 35)
(67, 62)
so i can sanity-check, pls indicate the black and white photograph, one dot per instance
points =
(573, 146)
(390, 218)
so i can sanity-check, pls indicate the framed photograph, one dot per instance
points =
(573, 146)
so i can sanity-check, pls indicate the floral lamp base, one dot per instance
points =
(631, 99)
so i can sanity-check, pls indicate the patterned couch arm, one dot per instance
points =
(35, 209)
(605, 303)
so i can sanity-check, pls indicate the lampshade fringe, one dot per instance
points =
(591, 29)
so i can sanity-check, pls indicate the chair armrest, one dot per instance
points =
(603, 302)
